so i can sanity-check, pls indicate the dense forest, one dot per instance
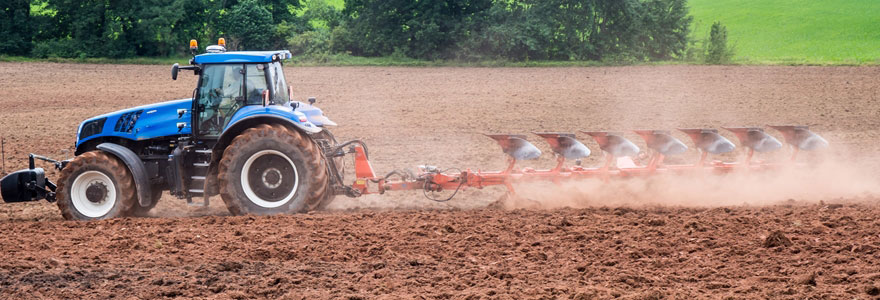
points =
(516, 30)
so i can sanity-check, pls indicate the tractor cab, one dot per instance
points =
(224, 88)
(230, 81)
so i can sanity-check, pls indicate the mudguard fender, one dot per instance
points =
(240, 125)
(136, 166)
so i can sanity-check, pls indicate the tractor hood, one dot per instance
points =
(140, 123)
(174, 118)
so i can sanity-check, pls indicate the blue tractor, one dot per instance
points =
(241, 136)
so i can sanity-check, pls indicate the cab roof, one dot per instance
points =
(241, 57)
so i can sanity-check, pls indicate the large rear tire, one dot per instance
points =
(272, 169)
(95, 186)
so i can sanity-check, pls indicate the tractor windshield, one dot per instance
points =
(279, 83)
(223, 89)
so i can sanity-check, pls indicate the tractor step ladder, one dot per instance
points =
(197, 174)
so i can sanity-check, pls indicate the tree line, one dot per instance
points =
(615, 30)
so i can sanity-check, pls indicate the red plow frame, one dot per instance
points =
(619, 161)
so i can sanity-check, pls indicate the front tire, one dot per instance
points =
(272, 169)
(95, 186)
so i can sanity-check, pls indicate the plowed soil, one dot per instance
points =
(809, 233)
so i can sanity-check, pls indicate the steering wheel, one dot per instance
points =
(236, 104)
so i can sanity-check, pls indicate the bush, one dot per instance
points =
(511, 32)
(614, 31)
(717, 50)
(310, 43)
(249, 26)
(322, 15)
(57, 48)
(341, 40)
(420, 29)
(15, 28)
(285, 31)
(667, 25)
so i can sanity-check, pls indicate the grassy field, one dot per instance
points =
(795, 31)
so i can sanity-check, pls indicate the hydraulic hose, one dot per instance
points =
(458, 188)
(348, 143)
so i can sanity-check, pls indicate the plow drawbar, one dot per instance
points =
(622, 158)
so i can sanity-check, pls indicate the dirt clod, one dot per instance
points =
(872, 290)
(777, 239)
(656, 222)
(809, 279)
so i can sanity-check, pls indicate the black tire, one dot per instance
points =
(255, 171)
(139, 211)
(339, 162)
(95, 186)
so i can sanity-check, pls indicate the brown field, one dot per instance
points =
(664, 238)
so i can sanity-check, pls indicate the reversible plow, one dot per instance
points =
(623, 158)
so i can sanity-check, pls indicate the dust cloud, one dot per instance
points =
(827, 180)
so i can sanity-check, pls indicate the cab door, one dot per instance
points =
(223, 90)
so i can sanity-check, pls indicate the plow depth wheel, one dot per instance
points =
(272, 169)
(95, 186)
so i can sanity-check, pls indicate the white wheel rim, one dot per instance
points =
(249, 191)
(81, 202)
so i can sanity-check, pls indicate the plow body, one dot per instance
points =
(621, 159)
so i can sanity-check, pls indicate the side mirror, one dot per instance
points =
(312, 100)
(174, 69)
(265, 97)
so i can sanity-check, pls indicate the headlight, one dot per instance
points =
(91, 128)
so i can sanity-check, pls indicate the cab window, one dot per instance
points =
(256, 83)
(223, 90)
(279, 84)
